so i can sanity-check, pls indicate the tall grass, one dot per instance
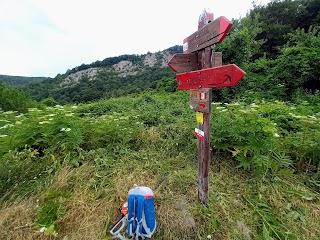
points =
(72, 166)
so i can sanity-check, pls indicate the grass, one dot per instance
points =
(125, 146)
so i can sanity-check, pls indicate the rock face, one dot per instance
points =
(121, 68)
(125, 68)
(150, 59)
(74, 78)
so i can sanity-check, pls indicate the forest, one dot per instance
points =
(70, 153)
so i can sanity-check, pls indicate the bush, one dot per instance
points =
(13, 99)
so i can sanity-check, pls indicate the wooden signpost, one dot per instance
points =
(199, 70)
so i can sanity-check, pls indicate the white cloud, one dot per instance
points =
(44, 38)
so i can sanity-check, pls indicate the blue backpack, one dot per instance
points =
(141, 214)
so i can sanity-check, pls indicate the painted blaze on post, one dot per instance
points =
(199, 100)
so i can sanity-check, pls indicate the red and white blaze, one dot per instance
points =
(199, 133)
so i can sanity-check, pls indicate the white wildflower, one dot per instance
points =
(4, 135)
(68, 129)
(312, 117)
(276, 135)
(8, 112)
(74, 107)
(244, 111)
(69, 114)
(234, 104)
(216, 103)
(43, 229)
(43, 122)
(51, 115)
(209, 236)
(254, 105)
(50, 119)
(20, 115)
(62, 129)
(34, 110)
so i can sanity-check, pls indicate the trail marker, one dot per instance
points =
(184, 62)
(213, 32)
(199, 70)
(223, 76)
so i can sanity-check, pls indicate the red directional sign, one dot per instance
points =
(213, 32)
(222, 76)
(184, 62)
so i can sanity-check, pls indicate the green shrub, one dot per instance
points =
(13, 99)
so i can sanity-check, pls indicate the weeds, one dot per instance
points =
(81, 161)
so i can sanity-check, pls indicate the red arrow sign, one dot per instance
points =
(184, 62)
(223, 76)
(210, 34)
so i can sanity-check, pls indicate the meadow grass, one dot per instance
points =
(74, 184)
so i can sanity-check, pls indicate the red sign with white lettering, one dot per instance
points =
(222, 76)
(213, 32)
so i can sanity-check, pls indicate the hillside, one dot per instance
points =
(111, 77)
(19, 80)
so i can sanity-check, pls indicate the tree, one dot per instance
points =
(11, 98)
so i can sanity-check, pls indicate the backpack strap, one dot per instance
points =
(135, 213)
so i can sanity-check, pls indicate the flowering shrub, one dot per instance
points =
(47, 131)
(266, 135)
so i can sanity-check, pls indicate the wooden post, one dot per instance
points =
(206, 59)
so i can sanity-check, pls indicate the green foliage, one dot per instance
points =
(48, 131)
(104, 147)
(167, 85)
(11, 98)
(17, 80)
(303, 38)
(49, 102)
(298, 68)
(48, 213)
(272, 228)
(264, 137)
(277, 19)
(20, 172)
(241, 46)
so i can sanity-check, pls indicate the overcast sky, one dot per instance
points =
(47, 37)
